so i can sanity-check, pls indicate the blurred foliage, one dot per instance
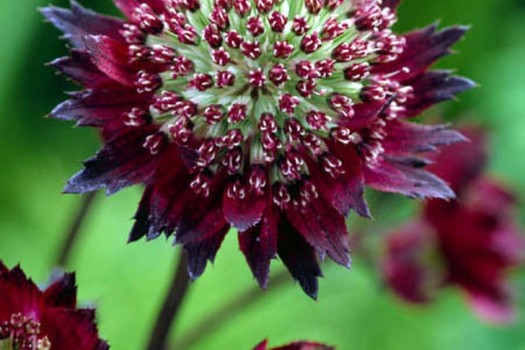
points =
(127, 283)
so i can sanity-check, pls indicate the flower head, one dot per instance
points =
(31, 319)
(302, 345)
(470, 242)
(269, 116)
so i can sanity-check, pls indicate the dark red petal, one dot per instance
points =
(434, 87)
(480, 251)
(193, 216)
(404, 267)
(259, 245)
(199, 253)
(299, 257)
(460, 164)
(243, 213)
(477, 260)
(142, 224)
(122, 162)
(99, 107)
(488, 233)
(324, 229)
(127, 7)
(262, 345)
(179, 208)
(18, 294)
(346, 192)
(79, 21)
(407, 138)
(161, 210)
(63, 292)
(71, 329)
(304, 345)
(81, 70)
(167, 200)
(423, 48)
(201, 217)
(393, 176)
(365, 114)
(111, 57)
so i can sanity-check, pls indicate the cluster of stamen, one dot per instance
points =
(258, 86)
(22, 333)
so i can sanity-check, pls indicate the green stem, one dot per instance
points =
(169, 311)
(75, 229)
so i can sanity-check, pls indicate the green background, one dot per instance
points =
(127, 282)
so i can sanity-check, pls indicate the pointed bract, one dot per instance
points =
(63, 292)
(434, 87)
(243, 213)
(199, 253)
(323, 228)
(110, 57)
(423, 47)
(299, 257)
(122, 162)
(79, 21)
(394, 176)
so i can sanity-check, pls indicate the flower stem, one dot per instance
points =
(226, 312)
(169, 310)
(75, 228)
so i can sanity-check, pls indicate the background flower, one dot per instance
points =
(32, 319)
(471, 242)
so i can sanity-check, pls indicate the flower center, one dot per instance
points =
(22, 333)
(261, 84)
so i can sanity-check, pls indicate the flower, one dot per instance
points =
(303, 345)
(31, 319)
(267, 116)
(470, 242)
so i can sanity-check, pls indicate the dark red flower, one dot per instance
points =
(470, 242)
(302, 345)
(31, 319)
(276, 140)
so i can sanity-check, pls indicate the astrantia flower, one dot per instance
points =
(269, 116)
(303, 345)
(470, 243)
(31, 319)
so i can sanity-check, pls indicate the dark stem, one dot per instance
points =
(74, 229)
(219, 317)
(169, 310)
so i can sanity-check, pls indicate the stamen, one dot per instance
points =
(277, 21)
(216, 94)
(257, 78)
(23, 333)
(212, 34)
(255, 26)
